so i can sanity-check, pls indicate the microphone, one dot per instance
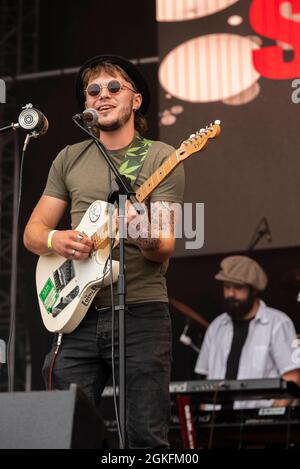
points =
(29, 119)
(88, 117)
(33, 120)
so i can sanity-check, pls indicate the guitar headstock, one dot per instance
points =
(199, 140)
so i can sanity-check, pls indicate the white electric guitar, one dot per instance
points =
(66, 287)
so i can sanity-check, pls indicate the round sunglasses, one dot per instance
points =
(113, 86)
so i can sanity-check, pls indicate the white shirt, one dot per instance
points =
(268, 352)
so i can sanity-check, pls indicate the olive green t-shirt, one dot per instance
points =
(80, 175)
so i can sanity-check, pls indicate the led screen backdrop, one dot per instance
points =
(237, 61)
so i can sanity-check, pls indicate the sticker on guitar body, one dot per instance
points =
(49, 295)
(90, 295)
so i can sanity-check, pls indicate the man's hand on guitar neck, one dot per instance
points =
(71, 244)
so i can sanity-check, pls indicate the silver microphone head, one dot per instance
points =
(90, 116)
(33, 120)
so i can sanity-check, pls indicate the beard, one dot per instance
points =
(126, 115)
(238, 309)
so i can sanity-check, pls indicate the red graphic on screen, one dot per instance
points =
(267, 20)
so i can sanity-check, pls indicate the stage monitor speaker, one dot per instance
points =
(50, 420)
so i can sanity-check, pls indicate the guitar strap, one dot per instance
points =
(134, 158)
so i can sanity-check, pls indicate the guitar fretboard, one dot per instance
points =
(157, 177)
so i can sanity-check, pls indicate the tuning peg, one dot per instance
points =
(192, 136)
(217, 122)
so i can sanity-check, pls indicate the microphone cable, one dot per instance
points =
(113, 318)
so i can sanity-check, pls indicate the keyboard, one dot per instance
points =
(268, 388)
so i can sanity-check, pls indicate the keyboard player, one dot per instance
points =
(249, 340)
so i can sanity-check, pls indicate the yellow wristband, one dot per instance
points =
(49, 242)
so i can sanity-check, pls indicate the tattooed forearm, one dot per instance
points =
(148, 244)
(162, 220)
(148, 236)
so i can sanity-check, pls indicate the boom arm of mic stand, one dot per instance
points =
(12, 126)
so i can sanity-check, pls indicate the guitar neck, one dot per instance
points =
(197, 142)
(157, 177)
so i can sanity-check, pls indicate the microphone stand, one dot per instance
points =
(121, 192)
(186, 339)
(253, 243)
(258, 235)
(11, 343)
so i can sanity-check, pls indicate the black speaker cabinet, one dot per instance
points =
(50, 420)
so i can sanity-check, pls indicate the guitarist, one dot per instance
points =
(115, 88)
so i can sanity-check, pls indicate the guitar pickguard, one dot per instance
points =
(63, 275)
(64, 301)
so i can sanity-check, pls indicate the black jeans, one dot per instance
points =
(85, 359)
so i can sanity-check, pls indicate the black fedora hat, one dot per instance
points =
(131, 70)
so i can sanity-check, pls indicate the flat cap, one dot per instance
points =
(242, 270)
(132, 71)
